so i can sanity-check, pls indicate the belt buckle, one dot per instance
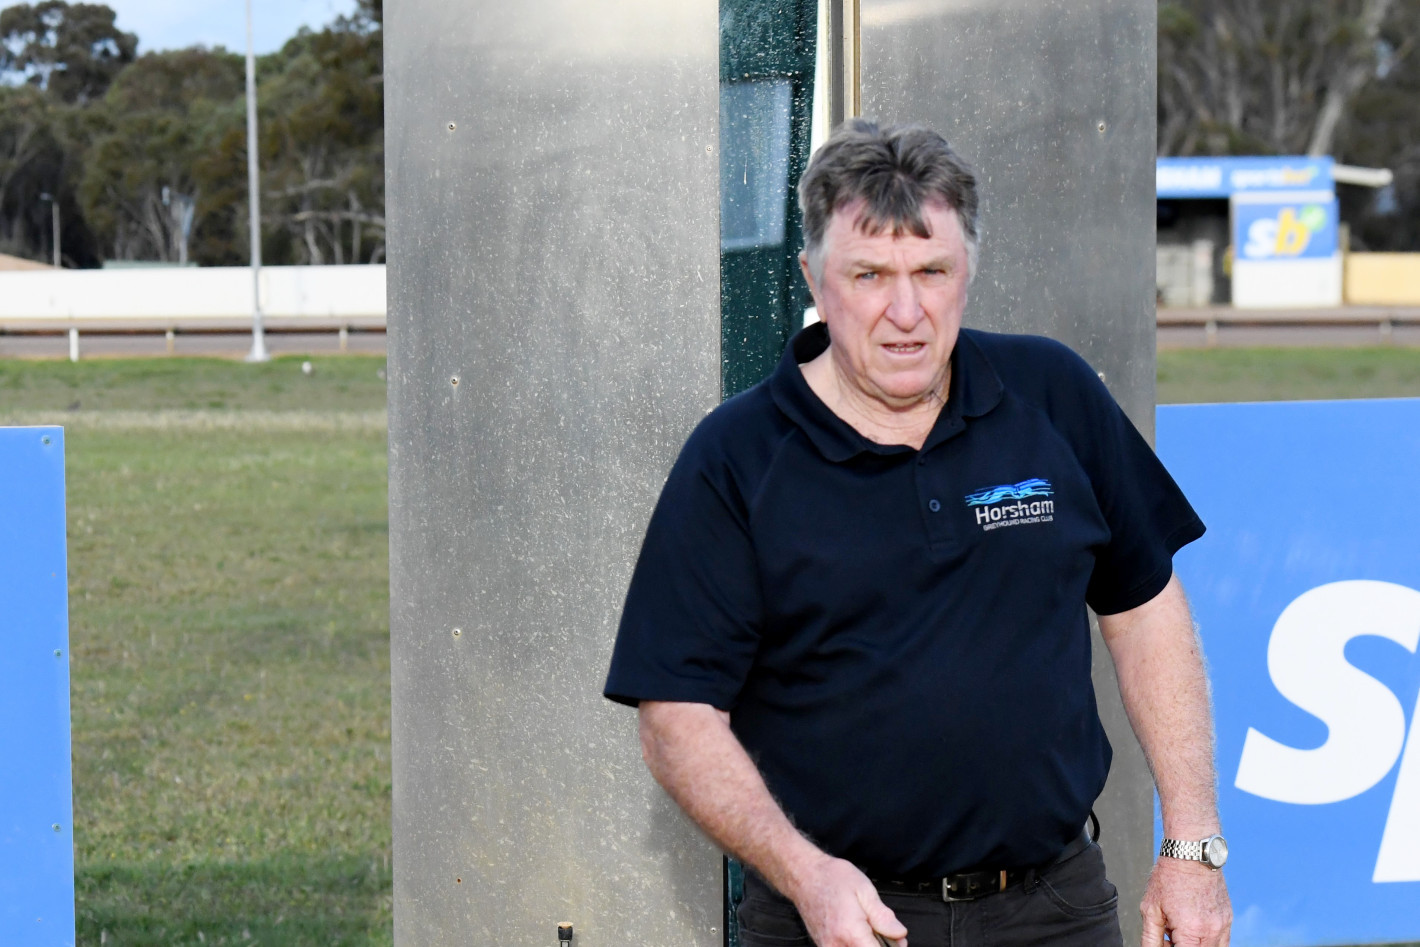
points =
(951, 898)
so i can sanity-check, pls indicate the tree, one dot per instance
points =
(371, 12)
(142, 190)
(1383, 130)
(323, 130)
(176, 80)
(71, 51)
(172, 139)
(26, 137)
(138, 187)
(1263, 76)
(148, 154)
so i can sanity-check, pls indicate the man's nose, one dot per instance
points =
(905, 305)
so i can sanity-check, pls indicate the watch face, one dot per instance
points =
(1216, 851)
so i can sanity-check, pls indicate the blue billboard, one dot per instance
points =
(1307, 593)
(1224, 177)
(36, 827)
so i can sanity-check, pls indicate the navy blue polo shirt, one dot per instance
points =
(900, 635)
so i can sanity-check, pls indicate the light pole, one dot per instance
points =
(258, 351)
(54, 215)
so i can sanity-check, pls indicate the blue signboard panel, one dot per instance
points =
(1307, 592)
(1296, 226)
(1224, 177)
(36, 833)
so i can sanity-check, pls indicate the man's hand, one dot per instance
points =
(1188, 901)
(1160, 666)
(694, 755)
(841, 908)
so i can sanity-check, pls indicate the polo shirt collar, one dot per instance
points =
(975, 389)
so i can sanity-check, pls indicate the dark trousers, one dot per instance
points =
(1070, 903)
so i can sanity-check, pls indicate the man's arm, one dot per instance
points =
(1160, 667)
(691, 751)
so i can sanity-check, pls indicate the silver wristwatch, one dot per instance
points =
(1211, 851)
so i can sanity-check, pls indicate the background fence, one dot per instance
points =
(189, 295)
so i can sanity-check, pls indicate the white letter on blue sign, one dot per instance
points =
(1366, 722)
(1399, 859)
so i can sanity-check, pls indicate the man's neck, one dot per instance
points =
(907, 424)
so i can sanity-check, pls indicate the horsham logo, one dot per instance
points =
(1012, 504)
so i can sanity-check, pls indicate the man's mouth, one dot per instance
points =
(905, 348)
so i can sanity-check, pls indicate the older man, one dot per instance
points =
(857, 630)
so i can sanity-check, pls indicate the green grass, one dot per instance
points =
(337, 383)
(230, 682)
(1199, 375)
(229, 630)
(356, 383)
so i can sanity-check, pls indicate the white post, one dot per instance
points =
(258, 351)
(73, 345)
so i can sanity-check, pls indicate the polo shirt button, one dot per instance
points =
(934, 506)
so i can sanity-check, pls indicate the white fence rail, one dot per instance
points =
(1385, 320)
(189, 297)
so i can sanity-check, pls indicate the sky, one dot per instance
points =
(174, 24)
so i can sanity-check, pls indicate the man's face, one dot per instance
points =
(893, 304)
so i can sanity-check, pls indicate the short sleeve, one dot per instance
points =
(690, 628)
(1149, 518)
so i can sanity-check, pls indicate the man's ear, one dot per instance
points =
(808, 276)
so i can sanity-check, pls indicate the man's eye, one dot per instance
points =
(870, 275)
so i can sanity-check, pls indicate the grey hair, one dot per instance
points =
(894, 171)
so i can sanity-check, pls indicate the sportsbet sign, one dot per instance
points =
(1297, 229)
(1285, 248)
(1307, 593)
(1284, 224)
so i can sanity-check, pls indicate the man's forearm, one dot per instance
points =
(1165, 690)
(693, 754)
(1161, 678)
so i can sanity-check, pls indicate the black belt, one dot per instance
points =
(970, 885)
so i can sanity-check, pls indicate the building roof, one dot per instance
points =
(8, 262)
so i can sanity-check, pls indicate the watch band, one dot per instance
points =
(1188, 851)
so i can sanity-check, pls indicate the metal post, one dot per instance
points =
(842, 51)
(258, 351)
(54, 216)
(73, 345)
(520, 799)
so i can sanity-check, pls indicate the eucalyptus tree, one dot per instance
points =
(142, 190)
(323, 130)
(1265, 76)
(71, 51)
(27, 154)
